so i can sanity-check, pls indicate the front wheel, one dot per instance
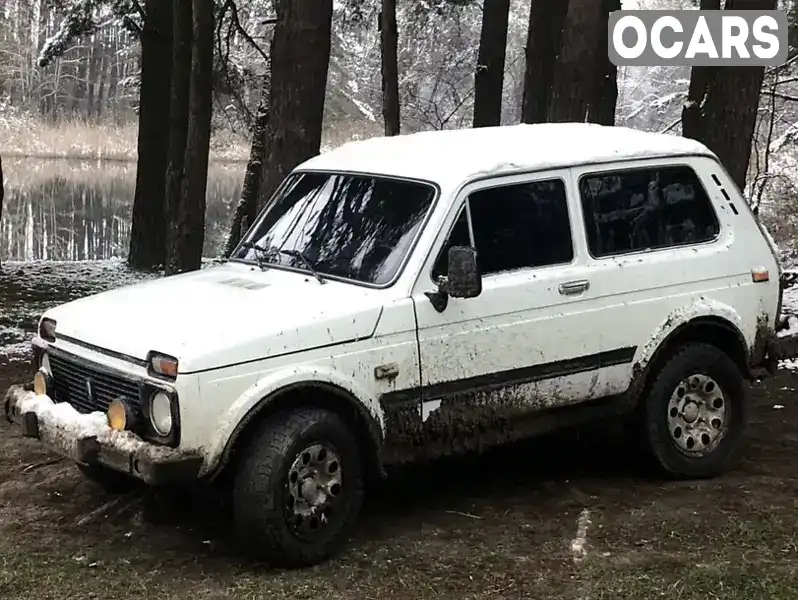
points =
(696, 412)
(298, 488)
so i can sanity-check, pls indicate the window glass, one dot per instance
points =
(515, 227)
(521, 226)
(351, 226)
(645, 209)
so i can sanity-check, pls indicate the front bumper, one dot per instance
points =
(87, 439)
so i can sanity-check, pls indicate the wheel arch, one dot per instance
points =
(304, 394)
(710, 329)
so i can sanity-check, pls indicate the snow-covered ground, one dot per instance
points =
(27, 289)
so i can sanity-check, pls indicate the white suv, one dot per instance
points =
(410, 297)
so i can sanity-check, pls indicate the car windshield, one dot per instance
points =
(355, 227)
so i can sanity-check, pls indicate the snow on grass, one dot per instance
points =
(578, 543)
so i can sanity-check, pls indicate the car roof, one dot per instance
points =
(450, 157)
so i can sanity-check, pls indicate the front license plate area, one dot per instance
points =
(116, 459)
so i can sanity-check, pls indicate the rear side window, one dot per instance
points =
(645, 209)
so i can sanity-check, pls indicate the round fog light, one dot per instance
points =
(40, 383)
(161, 414)
(117, 415)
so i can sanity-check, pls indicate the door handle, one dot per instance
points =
(574, 287)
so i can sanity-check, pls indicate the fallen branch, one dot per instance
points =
(463, 514)
(672, 125)
(45, 463)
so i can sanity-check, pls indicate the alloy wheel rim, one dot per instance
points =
(315, 485)
(697, 415)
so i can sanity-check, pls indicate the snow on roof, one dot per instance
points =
(452, 156)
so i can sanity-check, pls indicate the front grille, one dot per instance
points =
(70, 381)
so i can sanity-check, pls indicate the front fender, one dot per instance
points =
(270, 386)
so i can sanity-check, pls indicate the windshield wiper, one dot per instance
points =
(301, 256)
(258, 250)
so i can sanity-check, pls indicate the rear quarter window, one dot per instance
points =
(649, 208)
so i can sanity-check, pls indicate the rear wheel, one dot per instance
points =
(696, 412)
(298, 488)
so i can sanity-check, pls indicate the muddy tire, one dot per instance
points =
(111, 481)
(298, 488)
(696, 412)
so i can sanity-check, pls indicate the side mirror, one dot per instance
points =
(463, 279)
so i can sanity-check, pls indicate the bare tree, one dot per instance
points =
(692, 123)
(390, 67)
(247, 209)
(603, 109)
(148, 223)
(577, 73)
(546, 19)
(2, 190)
(178, 124)
(300, 57)
(190, 224)
(489, 78)
(727, 114)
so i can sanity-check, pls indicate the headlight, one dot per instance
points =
(47, 330)
(161, 414)
(161, 364)
(45, 364)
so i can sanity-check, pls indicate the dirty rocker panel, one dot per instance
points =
(474, 413)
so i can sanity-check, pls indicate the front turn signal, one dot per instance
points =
(163, 365)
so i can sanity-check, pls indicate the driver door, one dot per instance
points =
(528, 341)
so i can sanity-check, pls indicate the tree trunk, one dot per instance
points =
(727, 126)
(546, 19)
(247, 210)
(99, 108)
(2, 197)
(148, 223)
(178, 123)
(95, 53)
(190, 224)
(489, 78)
(300, 58)
(390, 67)
(603, 111)
(77, 93)
(577, 72)
(692, 123)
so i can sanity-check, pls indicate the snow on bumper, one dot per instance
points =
(87, 439)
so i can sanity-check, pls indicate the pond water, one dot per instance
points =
(67, 209)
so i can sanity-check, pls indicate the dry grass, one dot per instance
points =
(75, 140)
(499, 526)
(31, 138)
(28, 173)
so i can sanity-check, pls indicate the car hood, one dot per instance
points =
(222, 315)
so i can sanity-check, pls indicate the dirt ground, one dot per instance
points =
(570, 518)
(574, 517)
